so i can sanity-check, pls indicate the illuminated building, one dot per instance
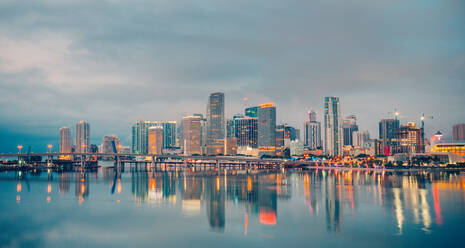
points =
(215, 124)
(191, 135)
(280, 136)
(140, 135)
(388, 136)
(454, 148)
(203, 133)
(252, 111)
(247, 132)
(107, 146)
(155, 140)
(65, 140)
(82, 137)
(230, 146)
(312, 132)
(437, 138)
(349, 126)
(458, 132)
(410, 139)
(333, 126)
(267, 128)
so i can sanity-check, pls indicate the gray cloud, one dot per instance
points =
(113, 62)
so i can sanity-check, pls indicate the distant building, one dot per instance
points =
(458, 132)
(388, 131)
(361, 139)
(191, 135)
(267, 128)
(312, 132)
(247, 132)
(230, 132)
(93, 148)
(297, 148)
(280, 144)
(349, 126)
(230, 146)
(215, 124)
(156, 140)
(203, 134)
(333, 127)
(65, 140)
(252, 111)
(410, 139)
(140, 135)
(107, 144)
(82, 137)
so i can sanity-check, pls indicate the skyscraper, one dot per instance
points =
(458, 133)
(267, 128)
(215, 124)
(203, 134)
(230, 132)
(349, 126)
(191, 135)
(65, 140)
(107, 143)
(360, 139)
(155, 140)
(82, 137)
(312, 132)
(410, 138)
(247, 132)
(388, 136)
(140, 135)
(333, 127)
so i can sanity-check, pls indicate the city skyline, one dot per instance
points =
(59, 66)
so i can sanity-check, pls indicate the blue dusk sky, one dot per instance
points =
(114, 62)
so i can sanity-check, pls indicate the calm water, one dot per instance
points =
(232, 209)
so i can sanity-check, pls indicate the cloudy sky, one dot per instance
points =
(114, 62)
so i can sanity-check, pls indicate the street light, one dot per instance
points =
(50, 148)
(19, 148)
(83, 148)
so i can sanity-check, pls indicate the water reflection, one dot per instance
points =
(412, 198)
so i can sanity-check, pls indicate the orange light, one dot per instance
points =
(18, 187)
(267, 105)
(267, 216)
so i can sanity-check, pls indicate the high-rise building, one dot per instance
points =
(140, 135)
(312, 135)
(230, 132)
(230, 146)
(458, 133)
(361, 139)
(333, 127)
(388, 136)
(203, 133)
(156, 140)
(82, 137)
(65, 140)
(280, 143)
(267, 129)
(191, 135)
(215, 124)
(107, 144)
(311, 116)
(349, 126)
(247, 132)
(252, 111)
(410, 139)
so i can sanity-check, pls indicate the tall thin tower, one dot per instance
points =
(82, 137)
(333, 126)
(215, 124)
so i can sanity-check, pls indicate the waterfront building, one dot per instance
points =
(191, 135)
(333, 127)
(107, 144)
(203, 133)
(296, 148)
(361, 139)
(454, 148)
(410, 139)
(155, 140)
(140, 135)
(247, 132)
(215, 124)
(312, 132)
(252, 111)
(267, 129)
(65, 140)
(349, 126)
(388, 131)
(230, 146)
(280, 136)
(82, 141)
(458, 133)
